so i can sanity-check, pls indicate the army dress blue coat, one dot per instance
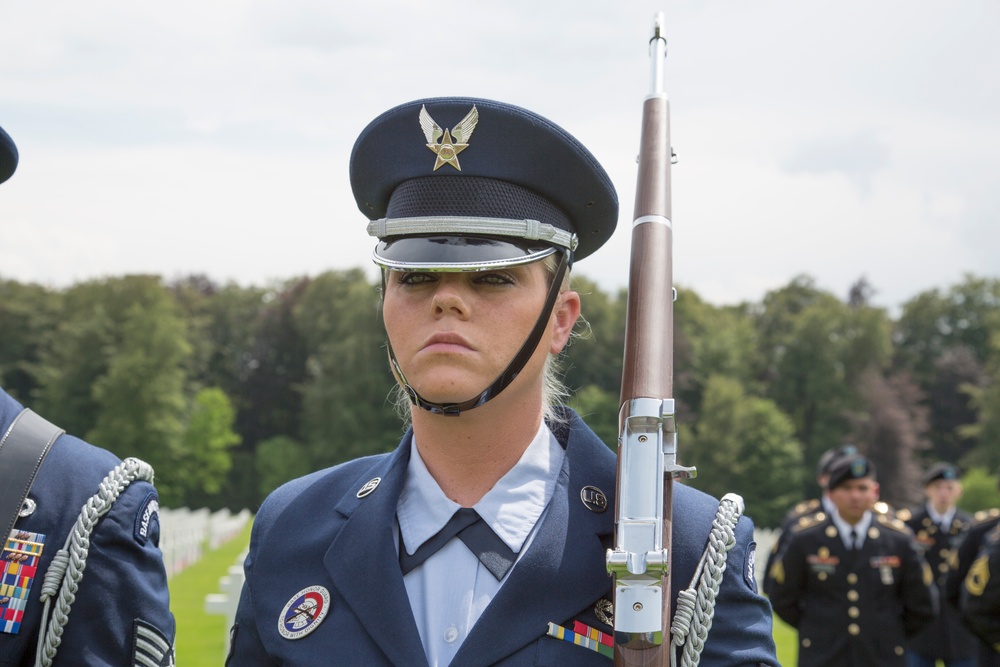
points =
(123, 592)
(315, 531)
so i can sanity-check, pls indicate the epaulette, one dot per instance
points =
(882, 507)
(808, 521)
(986, 515)
(894, 523)
(806, 507)
(904, 514)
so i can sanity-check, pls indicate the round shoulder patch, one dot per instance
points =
(304, 612)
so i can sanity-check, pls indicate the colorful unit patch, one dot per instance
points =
(21, 554)
(585, 636)
(304, 612)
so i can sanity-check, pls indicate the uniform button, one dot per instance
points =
(451, 634)
(944, 554)
(943, 567)
(852, 578)
(852, 596)
(821, 576)
(853, 612)
(806, 643)
(899, 650)
(854, 629)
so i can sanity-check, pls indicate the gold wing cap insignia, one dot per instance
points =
(432, 131)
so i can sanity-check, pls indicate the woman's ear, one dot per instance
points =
(564, 317)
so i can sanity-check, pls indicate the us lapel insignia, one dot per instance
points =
(594, 499)
(585, 636)
(304, 612)
(448, 148)
(21, 555)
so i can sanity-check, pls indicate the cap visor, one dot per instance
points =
(456, 253)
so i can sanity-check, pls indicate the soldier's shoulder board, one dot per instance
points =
(806, 507)
(986, 515)
(808, 521)
(892, 523)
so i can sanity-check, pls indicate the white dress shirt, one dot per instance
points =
(860, 529)
(450, 590)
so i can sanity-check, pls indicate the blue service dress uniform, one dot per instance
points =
(946, 638)
(123, 593)
(315, 532)
(852, 607)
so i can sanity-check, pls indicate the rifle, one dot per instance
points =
(647, 445)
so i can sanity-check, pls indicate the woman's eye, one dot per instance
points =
(494, 279)
(414, 278)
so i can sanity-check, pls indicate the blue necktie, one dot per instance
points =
(468, 526)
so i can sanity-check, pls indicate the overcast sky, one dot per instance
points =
(836, 139)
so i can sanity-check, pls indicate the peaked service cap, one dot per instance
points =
(8, 156)
(948, 471)
(465, 184)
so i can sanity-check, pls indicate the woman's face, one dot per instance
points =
(454, 333)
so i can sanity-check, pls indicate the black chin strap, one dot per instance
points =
(513, 368)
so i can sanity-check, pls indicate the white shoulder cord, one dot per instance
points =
(73, 556)
(696, 606)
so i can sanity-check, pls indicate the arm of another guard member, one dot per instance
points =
(787, 581)
(920, 596)
(742, 629)
(980, 601)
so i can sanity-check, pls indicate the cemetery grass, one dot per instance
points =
(201, 637)
(786, 639)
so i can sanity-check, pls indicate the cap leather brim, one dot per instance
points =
(456, 253)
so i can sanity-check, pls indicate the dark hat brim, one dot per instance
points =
(456, 253)
(8, 156)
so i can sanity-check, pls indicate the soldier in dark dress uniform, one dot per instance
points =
(980, 599)
(805, 509)
(852, 583)
(939, 526)
(968, 549)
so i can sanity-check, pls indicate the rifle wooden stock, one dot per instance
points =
(648, 356)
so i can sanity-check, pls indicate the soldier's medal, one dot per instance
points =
(304, 612)
(22, 553)
(448, 148)
(885, 565)
(605, 611)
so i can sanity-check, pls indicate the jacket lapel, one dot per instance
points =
(558, 577)
(363, 564)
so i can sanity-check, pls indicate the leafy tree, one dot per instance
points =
(140, 401)
(279, 460)
(203, 458)
(745, 445)
(892, 433)
(28, 314)
(345, 396)
(594, 355)
(985, 400)
(979, 490)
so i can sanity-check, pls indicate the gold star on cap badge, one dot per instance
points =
(448, 149)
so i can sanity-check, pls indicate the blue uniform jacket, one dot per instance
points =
(124, 584)
(315, 531)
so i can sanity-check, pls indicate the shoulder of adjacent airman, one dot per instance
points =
(892, 522)
(986, 515)
(808, 521)
(806, 507)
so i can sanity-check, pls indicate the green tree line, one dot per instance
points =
(230, 390)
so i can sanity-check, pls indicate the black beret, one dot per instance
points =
(831, 455)
(8, 156)
(941, 471)
(463, 183)
(847, 468)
